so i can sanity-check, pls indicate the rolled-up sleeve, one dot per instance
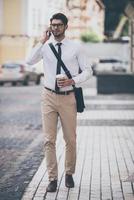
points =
(85, 65)
(36, 55)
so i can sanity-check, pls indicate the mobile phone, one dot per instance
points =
(48, 33)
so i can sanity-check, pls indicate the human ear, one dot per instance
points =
(66, 26)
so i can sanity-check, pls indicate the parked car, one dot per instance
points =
(109, 65)
(38, 69)
(15, 72)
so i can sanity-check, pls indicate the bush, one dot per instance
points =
(90, 36)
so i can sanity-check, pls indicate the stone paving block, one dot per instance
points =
(105, 158)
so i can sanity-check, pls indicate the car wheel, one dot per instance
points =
(38, 80)
(26, 81)
(14, 83)
(1, 83)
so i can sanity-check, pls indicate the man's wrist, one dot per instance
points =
(43, 41)
(72, 82)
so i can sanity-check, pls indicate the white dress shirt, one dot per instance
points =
(72, 57)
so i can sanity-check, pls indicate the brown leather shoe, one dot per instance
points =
(69, 182)
(52, 186)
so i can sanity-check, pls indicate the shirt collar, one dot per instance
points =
(64, 41)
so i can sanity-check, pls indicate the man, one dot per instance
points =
(58, 98)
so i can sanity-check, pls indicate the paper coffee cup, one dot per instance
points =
(60, 77)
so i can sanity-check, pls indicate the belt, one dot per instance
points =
(60, 92)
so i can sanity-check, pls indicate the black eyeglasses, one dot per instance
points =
(56, 25)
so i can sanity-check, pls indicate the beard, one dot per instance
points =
(58, 33)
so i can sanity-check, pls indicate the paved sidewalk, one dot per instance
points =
(105, 154)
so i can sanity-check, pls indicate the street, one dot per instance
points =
(21, 138)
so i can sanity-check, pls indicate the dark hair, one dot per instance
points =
(60, 16)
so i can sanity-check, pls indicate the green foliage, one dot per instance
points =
(90, 36)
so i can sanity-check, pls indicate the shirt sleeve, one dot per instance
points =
(85, 65)
(36, 54)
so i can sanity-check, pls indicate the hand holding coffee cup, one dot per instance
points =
(61, 79)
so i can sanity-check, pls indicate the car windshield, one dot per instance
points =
(10, 66)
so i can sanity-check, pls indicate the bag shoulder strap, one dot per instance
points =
(60, 60)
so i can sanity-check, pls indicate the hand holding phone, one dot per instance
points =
(46, 35)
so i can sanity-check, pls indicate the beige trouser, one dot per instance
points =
(64, 106)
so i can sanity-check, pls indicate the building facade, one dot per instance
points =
(13, 30)
(23, 21)
(85, 15)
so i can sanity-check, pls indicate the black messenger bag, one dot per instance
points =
(79, 99)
